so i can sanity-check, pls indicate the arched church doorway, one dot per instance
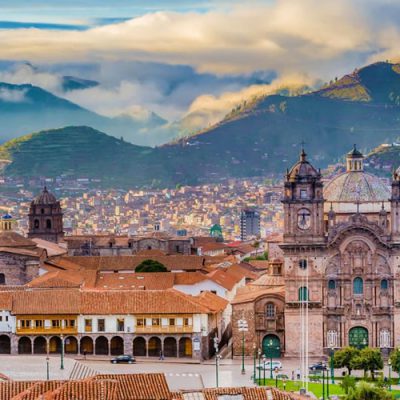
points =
(271, 346)
(358, 337)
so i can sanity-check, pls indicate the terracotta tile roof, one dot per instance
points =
(115, 263)
(5, 301)
(212, 301)
(13, 239)
(223, 278)
(241, 271)
(9, 389)
(22, 251)
(140, 386)
(259, 264)
(38, 389)
(251, 293)
(57, 279)
(210, 246)
(53, 249)
(136, 281)
(189, 278)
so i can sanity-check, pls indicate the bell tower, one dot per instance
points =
(395, 207)
(46, 218)
(303, 203)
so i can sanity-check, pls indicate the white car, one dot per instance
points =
(267, 365)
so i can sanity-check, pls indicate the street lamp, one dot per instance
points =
(270, 347)
(263, 358)
(332, 364)
(323, 380)
(390, 375)
(243, 327)
(216, 342)
(259, 365)
(48, 368)
(398, 349)
(62, 352)
(254, 362)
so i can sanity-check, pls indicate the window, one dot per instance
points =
(6, 318)
(1, 318)
(101, 325)
(55, 323)
(172, 322)
(303, 194)
(358, 286)
(88, 325)
(38, 323)
(270, 310)
(186, 321)
(155, 321)
(303, 263)
(140, 322)
(120, 324)
(384, 284)
(48, 223)
(331, 284)
(25, 323)
(303, 294)
(130, 245)
(42, 211)
(36, 224)
(2, 279)
(110, 245)
(69, 323)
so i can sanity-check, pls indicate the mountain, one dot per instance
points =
(27, 108)
(264, 136)
(79, 152)
(70, 83)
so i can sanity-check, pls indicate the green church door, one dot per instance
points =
(358, 337)
(271, 346)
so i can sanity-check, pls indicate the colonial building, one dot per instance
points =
(341, 249)
(46, 218)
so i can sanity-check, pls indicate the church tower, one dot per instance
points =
(395, 207)
(303, 203)
(46, 218)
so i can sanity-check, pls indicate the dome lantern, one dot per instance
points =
(354, 160)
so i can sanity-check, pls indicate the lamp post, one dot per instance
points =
(48, 368)
(390, 375)
(216, 342)
(332, 362)
(254, 362)
(276, 377)
(259, 365)
(398, 349)
(62, 352)
(263, 363)
(243, 327)
(323, 381)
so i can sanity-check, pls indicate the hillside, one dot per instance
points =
(82, 152)
(265, 137)
(27, 108)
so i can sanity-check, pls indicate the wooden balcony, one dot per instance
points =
(46, 331)
(163, 329)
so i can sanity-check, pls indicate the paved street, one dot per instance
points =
(179, 375)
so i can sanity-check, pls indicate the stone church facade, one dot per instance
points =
(341, 259)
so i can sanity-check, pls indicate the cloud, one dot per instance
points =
(12, 96)
(282, 35)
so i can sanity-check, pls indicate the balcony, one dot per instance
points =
(163, 329)
(46, 331)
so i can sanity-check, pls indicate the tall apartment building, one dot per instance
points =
(249, 224)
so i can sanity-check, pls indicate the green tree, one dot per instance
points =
(150, 266)
(395, 359)
(344, 357)
(368, 391)
(368, 360)
(348, 382)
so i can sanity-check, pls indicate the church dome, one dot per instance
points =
(356, 187)
(45, 198)
(302, 170)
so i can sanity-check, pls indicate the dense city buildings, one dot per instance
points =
(249, 224)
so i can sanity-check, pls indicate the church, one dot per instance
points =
(340, 260)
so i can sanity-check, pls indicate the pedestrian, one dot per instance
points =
(292, 375)
(84, 354)
(298, 374)
(161, 355)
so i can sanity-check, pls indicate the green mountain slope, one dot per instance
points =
(82, 152)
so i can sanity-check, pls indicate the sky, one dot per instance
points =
(183, 57)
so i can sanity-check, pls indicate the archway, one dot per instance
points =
(139, 347)
(2, 279)
(71, 345)
(170, 347)
(117, 346)
(55, 345)
(101, 346)
(154, 346)
(358, 337)
(271, 346)
(86, 345)
(185, 347)
(24, 345)
(40, 345)
(5, 344)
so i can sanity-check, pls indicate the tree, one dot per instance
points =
(150, 266)
(395, 359)
(344, 357)
(368, 360)
(368, 391)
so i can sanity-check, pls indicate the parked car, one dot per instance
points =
(125, 359)
(319, 366)
(267, 365)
